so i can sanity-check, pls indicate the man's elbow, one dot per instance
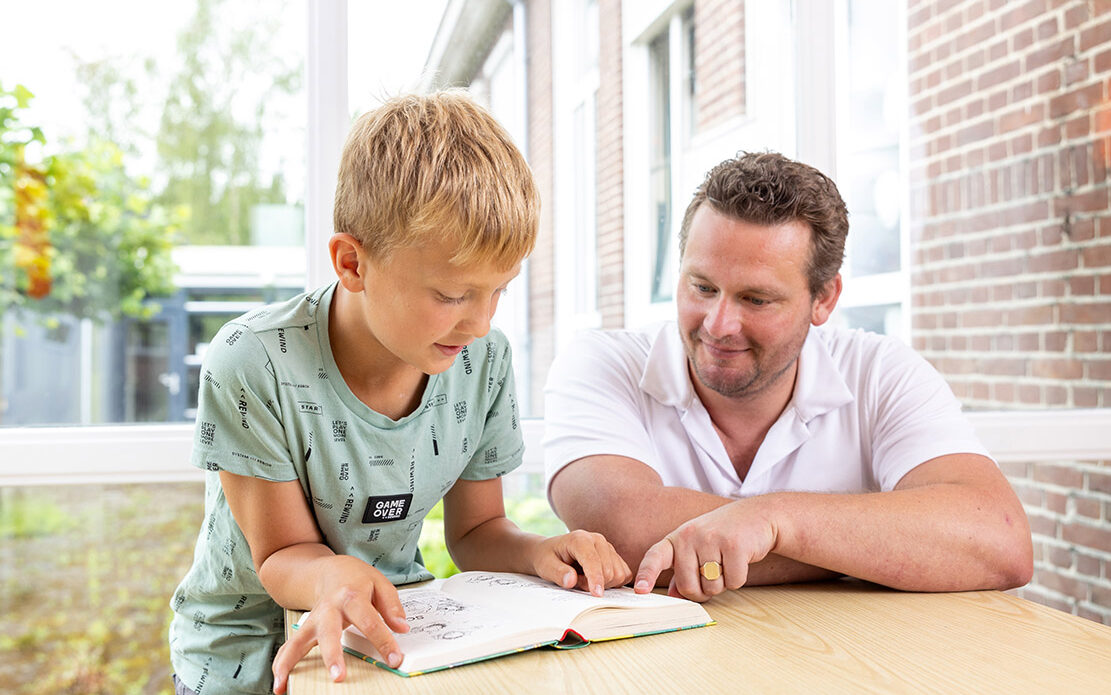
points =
(1009, 552)
(1016, 563)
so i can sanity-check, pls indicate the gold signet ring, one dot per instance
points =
(710, 570)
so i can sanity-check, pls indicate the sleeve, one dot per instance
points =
(501, 448)
(593, 403)
(917, 417)
(239, 427)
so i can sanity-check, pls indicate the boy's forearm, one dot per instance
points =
(292, 575)
(497, 544)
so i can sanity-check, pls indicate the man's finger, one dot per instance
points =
(658, 558)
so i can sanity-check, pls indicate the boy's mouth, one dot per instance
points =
(450, 350)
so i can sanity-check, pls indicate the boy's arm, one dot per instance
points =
(300, 571)
(479, 536)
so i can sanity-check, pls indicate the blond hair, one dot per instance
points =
(425, 167)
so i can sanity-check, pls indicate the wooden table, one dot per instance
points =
(843, 636)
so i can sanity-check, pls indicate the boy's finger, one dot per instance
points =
(656, 560)
(328, 635)
(586, 554)
(375, 629)
(294, 649)
(388, 604)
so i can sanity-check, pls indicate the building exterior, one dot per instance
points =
(970, 139)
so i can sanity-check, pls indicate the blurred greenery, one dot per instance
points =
(79, 236)
(86, 574)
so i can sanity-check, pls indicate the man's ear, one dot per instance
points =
(826, 301)
(346, 253)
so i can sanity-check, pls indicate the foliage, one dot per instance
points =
(529, 511)
(212, 125)
(78, 235)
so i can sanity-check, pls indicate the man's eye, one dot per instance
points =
(756, 301)
(703, 289)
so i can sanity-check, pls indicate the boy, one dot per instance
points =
(330, 424)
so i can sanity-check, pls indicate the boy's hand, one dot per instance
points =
(580, 559)
(350, 593)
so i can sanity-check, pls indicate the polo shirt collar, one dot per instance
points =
(819, 385)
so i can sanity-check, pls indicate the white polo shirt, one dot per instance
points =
(865, 411)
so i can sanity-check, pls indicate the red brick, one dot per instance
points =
(1054, 261)
(1061, 475)
(1061, 583)
(1052, 53)
(1096, 256)
(1095, 36)
(1089, 507)
(1099, 482)
(1095, 537)
(1075, 100)
(1088, 312)
(1057, 369)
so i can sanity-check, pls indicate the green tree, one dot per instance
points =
(214, 121)
(78, 235)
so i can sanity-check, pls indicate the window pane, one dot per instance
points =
(82, 615)
(156, 141)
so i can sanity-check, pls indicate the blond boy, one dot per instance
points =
(331, 424)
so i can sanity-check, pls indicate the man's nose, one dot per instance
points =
(723, 319)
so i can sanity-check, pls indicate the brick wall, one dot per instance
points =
(1011, 236)
(542, 262)
(610, 168)
(1069, 507)
(1010, 134)
(719, 56)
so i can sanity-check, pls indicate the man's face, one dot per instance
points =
(744, 302)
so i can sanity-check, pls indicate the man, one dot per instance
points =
(749, 443)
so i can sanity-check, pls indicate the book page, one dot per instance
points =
(444, 629)
(540, 599)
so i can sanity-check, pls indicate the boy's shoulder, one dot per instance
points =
(298, 311)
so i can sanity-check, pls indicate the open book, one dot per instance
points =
(481, 615)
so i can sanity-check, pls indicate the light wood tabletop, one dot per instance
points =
(842, 636)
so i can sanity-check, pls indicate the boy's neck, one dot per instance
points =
(376, 376)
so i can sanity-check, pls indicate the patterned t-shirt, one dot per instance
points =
(273, 405)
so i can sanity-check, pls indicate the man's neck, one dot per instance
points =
(742, 422)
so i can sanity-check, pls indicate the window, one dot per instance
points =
(575, 43)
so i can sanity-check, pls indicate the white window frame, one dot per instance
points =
(574, 212)
(767, 123)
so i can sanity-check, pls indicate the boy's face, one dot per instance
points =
(424, 309)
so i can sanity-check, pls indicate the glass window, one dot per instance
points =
(660, 166)
(153, 145)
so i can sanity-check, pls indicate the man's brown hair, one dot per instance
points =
(768, 189)
(424, 167)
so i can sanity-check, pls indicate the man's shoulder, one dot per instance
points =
(631, 342)
(856, 343)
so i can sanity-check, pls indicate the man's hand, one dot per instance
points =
(735, 536)
(350, 592)
(580, 559)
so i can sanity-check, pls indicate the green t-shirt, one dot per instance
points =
(273, 405)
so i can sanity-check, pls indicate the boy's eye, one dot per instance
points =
(450, 300)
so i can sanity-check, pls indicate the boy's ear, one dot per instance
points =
(346, 252)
